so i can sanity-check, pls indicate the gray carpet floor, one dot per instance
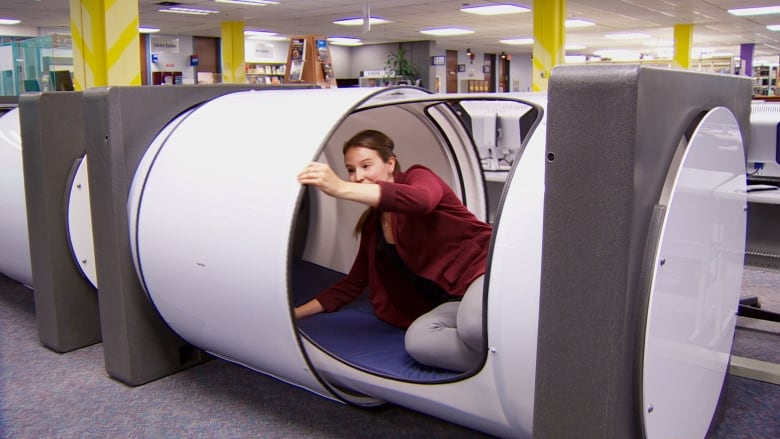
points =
(48, 395)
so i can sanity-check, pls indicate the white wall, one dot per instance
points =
(174, 60)
(520, 72)
(340, 58)
(266, 51)
(369, 57)
(6, 58)
(24, 31)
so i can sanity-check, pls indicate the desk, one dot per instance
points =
(763, 229)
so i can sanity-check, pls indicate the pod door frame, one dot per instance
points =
(122, 121)
(66, 303)
(605, 174)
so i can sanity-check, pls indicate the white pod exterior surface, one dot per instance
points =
(215, 203)
(696, 282)
(218, 222)
(79, 223)
(14, 237)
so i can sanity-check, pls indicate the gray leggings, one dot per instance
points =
(450, 335)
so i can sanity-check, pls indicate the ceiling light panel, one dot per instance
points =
(345, 41)
(518, 41)
(447, 31)
(189, 11)
(577, 23)
(359, 21)
(499, 9)
(748, 12)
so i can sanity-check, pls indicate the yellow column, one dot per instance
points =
(683, 41)
(549, 40)
(233, 52)
(105, 43)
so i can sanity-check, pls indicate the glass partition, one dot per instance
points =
(36, 64)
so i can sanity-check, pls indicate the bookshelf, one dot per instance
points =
(764, 80)
(265, 72)
(309, 62)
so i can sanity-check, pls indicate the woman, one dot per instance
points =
(422, 253)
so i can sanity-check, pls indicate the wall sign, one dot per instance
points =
(164, 45)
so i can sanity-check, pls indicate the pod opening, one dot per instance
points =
(462, 142)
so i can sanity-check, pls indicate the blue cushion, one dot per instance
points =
(355, 335)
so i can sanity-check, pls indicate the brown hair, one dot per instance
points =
(384, 146)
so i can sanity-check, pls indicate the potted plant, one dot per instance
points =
(397, 65)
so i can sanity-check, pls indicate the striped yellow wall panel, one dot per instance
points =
(105, 43)
(233, 52)
(549, 40)
(683, 40)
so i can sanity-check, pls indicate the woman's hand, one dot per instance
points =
(307, 309)
(321, 176)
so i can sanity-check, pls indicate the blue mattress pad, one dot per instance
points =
(354, 334)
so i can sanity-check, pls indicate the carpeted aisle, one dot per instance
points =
(48, 395)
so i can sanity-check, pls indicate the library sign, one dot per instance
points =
(165, 45)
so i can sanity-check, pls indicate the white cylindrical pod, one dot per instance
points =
(14, 243)
(215, 216)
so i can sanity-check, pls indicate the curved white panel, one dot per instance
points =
(506, 383)
(212, 214)
(214, 219)
(696, 283)
(14, 237)
(515, 279)
(79, 217)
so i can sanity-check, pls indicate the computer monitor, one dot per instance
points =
(61, 80)
(763, 151)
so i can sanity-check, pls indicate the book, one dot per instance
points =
(296, 70)
(298, 49)
(322, 51)
(327, 71)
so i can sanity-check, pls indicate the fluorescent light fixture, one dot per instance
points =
(359, 21)
(263, 35)
(659, 43)
(345, 41)
(575, 47)
(190, 11)
(249, 2)
(569, 59)
(627, 36)
(148, 30)
(618, 54)
(9, 21)
(494, 9)
(764, 10)
(774, 27)
(518, 41)
(446, 31)
(259, 33)
(573, 23)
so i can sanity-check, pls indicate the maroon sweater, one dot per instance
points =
(437, 238)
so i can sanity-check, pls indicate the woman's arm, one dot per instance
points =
(418, 194)
(321, 176)
(309, 308)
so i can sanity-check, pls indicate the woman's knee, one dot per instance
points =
(469, 318)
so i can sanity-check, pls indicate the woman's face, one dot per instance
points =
(364, 165)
